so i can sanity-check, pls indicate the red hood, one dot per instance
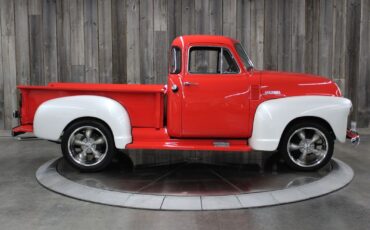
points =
(282, 84)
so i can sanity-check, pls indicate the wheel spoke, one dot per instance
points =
(99, 141)
(293, 146)
(302, 135)
(82, 156)
(79, 142)
(318, 152)
(315, 138)
(96, 153)
(303, 157)
(88, 133)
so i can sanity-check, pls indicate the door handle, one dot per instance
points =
(188, 83)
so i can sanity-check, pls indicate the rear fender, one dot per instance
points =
(273, 116)
(53, 116)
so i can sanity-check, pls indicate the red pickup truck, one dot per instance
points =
(214, 100)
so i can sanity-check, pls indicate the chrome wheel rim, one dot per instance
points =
(307, 147)
(87, 146)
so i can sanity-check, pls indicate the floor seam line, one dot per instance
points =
(226, 181)
(164, 197)
(158, 179)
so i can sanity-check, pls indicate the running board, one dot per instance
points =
(192, 144)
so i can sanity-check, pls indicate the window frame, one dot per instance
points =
(249, 61)
(222, 48)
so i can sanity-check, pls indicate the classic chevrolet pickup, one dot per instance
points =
(214, 100)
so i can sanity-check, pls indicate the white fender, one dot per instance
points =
(54, 115)
(273, 116)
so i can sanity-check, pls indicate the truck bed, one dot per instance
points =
(138, 100)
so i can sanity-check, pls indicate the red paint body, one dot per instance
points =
(218, 107)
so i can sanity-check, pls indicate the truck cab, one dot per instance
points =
(214, 99)
(209, 88)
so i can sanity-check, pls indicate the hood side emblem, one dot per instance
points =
(272, 92)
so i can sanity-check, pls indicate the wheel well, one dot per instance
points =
(311, 119)
(85, 118)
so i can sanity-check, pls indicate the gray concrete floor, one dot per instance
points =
(24, 204)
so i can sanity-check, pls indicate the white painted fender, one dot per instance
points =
(273, 116)
(54, 115)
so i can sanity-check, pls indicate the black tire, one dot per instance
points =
(297, 150)
(81, 147)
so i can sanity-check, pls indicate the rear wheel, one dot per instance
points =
(307, 146)
(88, 145)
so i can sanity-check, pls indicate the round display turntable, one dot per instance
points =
(193, 185)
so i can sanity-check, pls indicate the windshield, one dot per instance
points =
(243, 55)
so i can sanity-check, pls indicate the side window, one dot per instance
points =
(175, 63)
(211, 60)
(204, 60)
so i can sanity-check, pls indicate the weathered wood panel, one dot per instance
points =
(128, 41)
(34, 7)
(174, 19)
(339, 56)
(105, 41)
(2, 114)
(21, 42)
(188, 17)
(202, 19)
(77, 51)
(8, 54)
(229, 18)
(310, 35)
(353, 43)
(161, 41)
(363, 87)
(244, 33)
(146, 42)
(64, 41)
(284, 35)
(259, 33)
(133, 47)
(35, 41)
(119, 39)
(325, 37)
(270, 35)
(298, 36)
(91, 47)
(315, 38)
(50, 70)
(215, 15)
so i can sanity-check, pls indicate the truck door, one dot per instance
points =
(215, 100)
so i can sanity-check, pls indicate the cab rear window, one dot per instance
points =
(175, 63)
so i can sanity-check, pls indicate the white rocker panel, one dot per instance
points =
(273, 116)
(54, 115)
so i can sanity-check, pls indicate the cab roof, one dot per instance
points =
(186, 40)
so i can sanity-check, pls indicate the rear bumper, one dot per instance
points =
(353, 136)
(22, 129)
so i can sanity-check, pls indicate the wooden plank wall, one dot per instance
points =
(126, 41)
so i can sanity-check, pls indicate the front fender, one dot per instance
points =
(273, 116)
(53, 116)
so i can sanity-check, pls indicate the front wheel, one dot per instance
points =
(307, 146)
(88, 145)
